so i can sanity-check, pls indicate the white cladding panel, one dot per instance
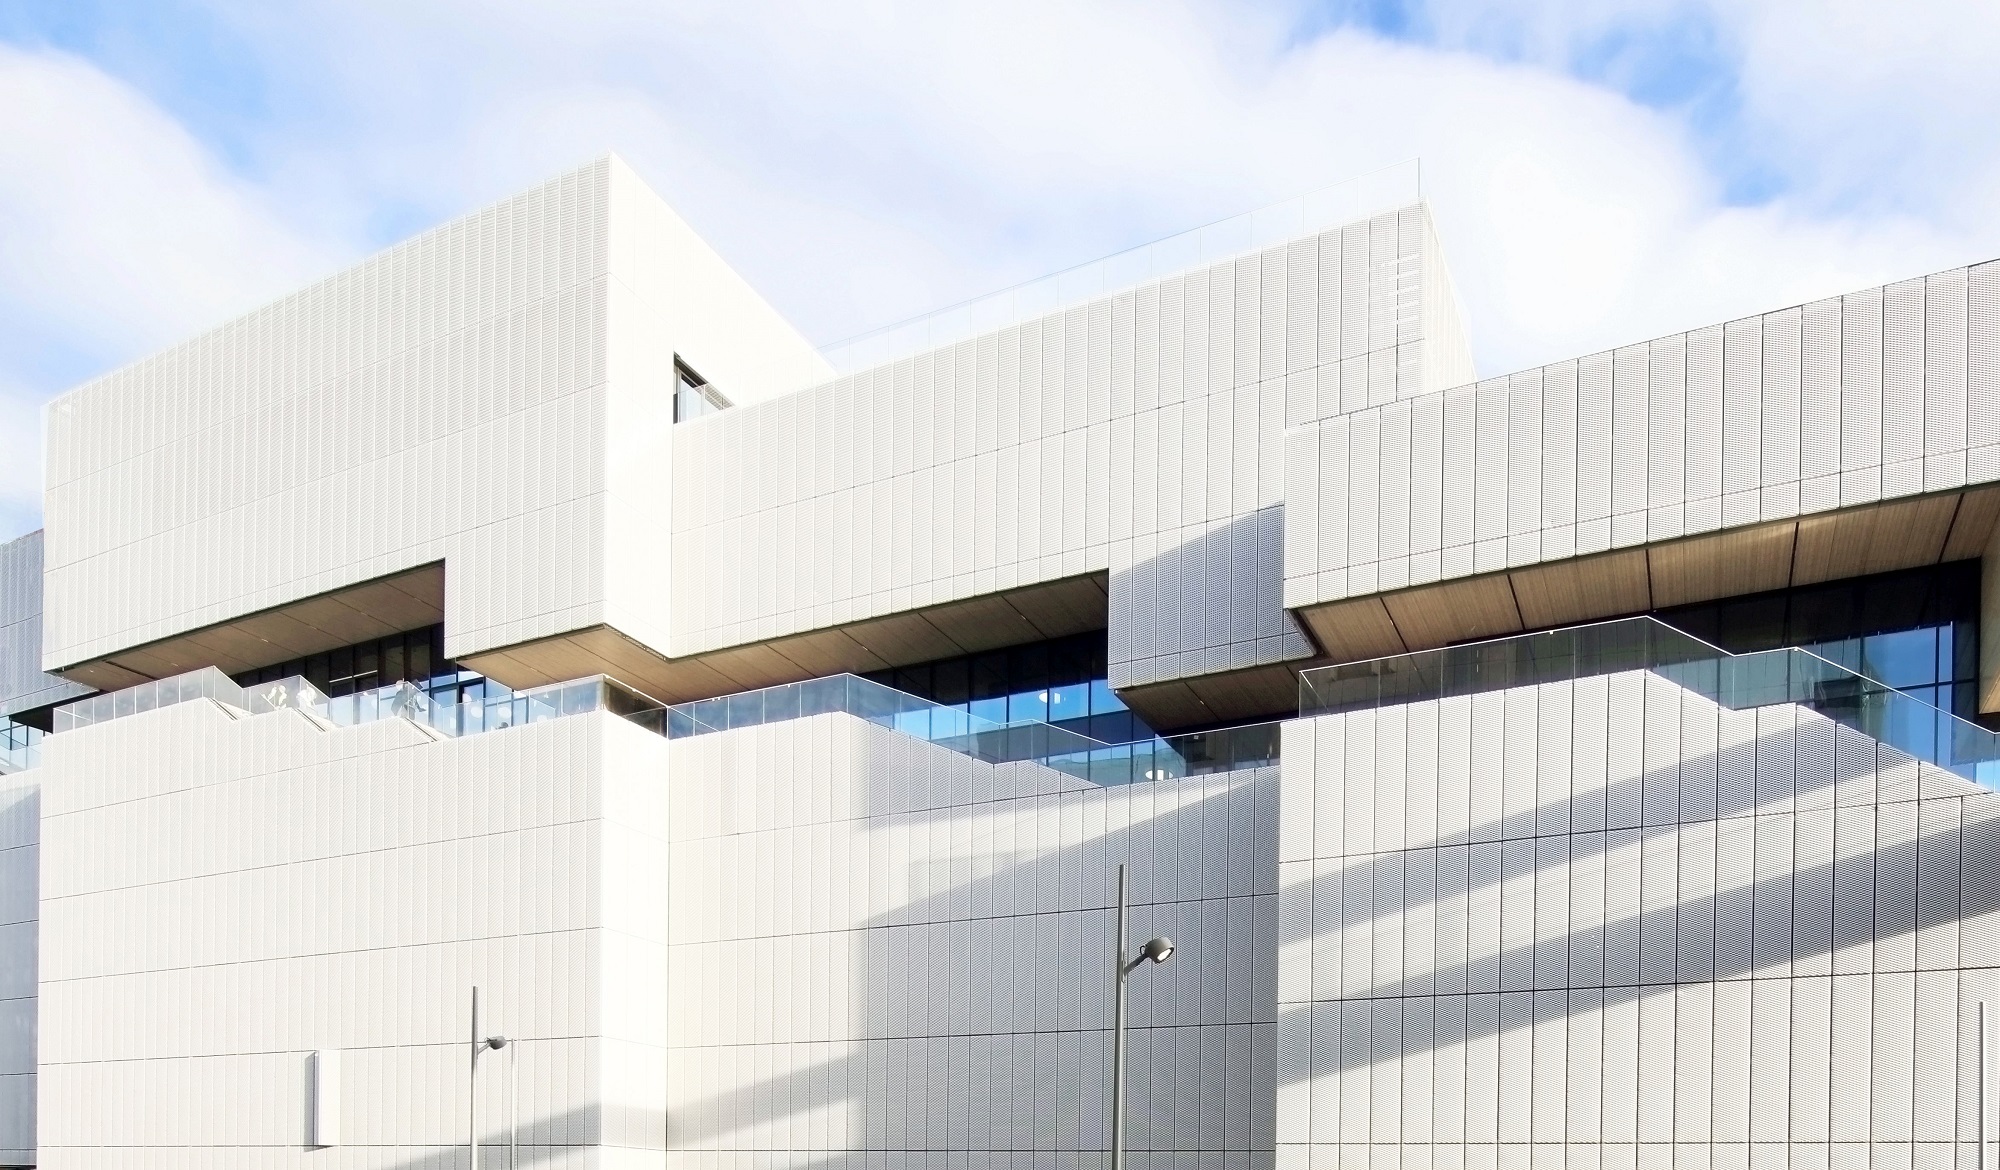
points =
(20, 821)
(1139, 434)
(1847, 401)
(442, 400)
(495, 394)
(1668, 931)
(882, 946)
(23, 686)
(222, 896)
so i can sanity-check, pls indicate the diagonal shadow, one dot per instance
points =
(1800, 914)
(1722, 934)
(1658, 802)
(493, 1148)
(1878, 895)
(1205, 959)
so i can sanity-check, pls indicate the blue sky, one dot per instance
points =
(1602, 172)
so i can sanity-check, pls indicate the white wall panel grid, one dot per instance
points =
(1140, 434)
(20, 798)
(1655, 958)
(879, 945)
(23, 685)
(1843, 402)
(494, 393)
(221, 896)
(525, 348)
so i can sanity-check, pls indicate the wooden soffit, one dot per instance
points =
(1877, 538)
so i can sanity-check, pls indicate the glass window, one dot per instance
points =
(1907, 658)
(693, 396)
(1028, 666)
(1822, 615)
(1846, 652)
(1069, 701)
(365, 665)
(1749, 624)
(1028, 705)
(951, 682)
(1060, 681)
(912, 680)
(1909, 629)
(1961, 650)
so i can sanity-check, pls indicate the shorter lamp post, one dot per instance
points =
(479, 1045)
(1157, 950)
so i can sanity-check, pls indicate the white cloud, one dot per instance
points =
(866, 161)
(862, 162)
(119, 235)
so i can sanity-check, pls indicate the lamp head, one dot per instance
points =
(498, 1042)
(1159, 950)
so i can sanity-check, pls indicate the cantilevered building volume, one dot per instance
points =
(1585, 768)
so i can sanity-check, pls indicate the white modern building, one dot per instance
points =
(1581, 768)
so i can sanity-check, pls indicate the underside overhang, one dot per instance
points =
(1051, 610)
(1270, 691)
(374, 609)
(1878, 538)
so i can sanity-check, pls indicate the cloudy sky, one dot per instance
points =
(1602, 171)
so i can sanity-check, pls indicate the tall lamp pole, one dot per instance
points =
(1157, 950)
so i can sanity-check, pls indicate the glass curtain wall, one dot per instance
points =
(1916, 631)
(1062, 681)
(19, 745)
(415, 656)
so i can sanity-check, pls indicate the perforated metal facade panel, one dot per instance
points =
(1667, 932)
(494, 394)
(1141, 434)
(23, 686)
(222, 895)
(1842, 402)
(920, 963)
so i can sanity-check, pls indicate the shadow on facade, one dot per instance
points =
(1205, 1025)
(991, 1033)
(1210, 601)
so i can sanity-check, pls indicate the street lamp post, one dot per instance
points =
(1157, 950)
(479, 1044)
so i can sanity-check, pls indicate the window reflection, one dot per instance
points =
(1063, 681)
(1916, 630)
(415, 656)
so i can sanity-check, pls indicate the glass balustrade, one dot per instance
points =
(1173, 756)
(403, 700)
(1736, 681)
(950, 727)
(20, 746)
(1155, 758)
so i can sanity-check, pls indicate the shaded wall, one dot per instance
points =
(23, 685)
(1607, 923)
(20, 816)
(883, 950)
